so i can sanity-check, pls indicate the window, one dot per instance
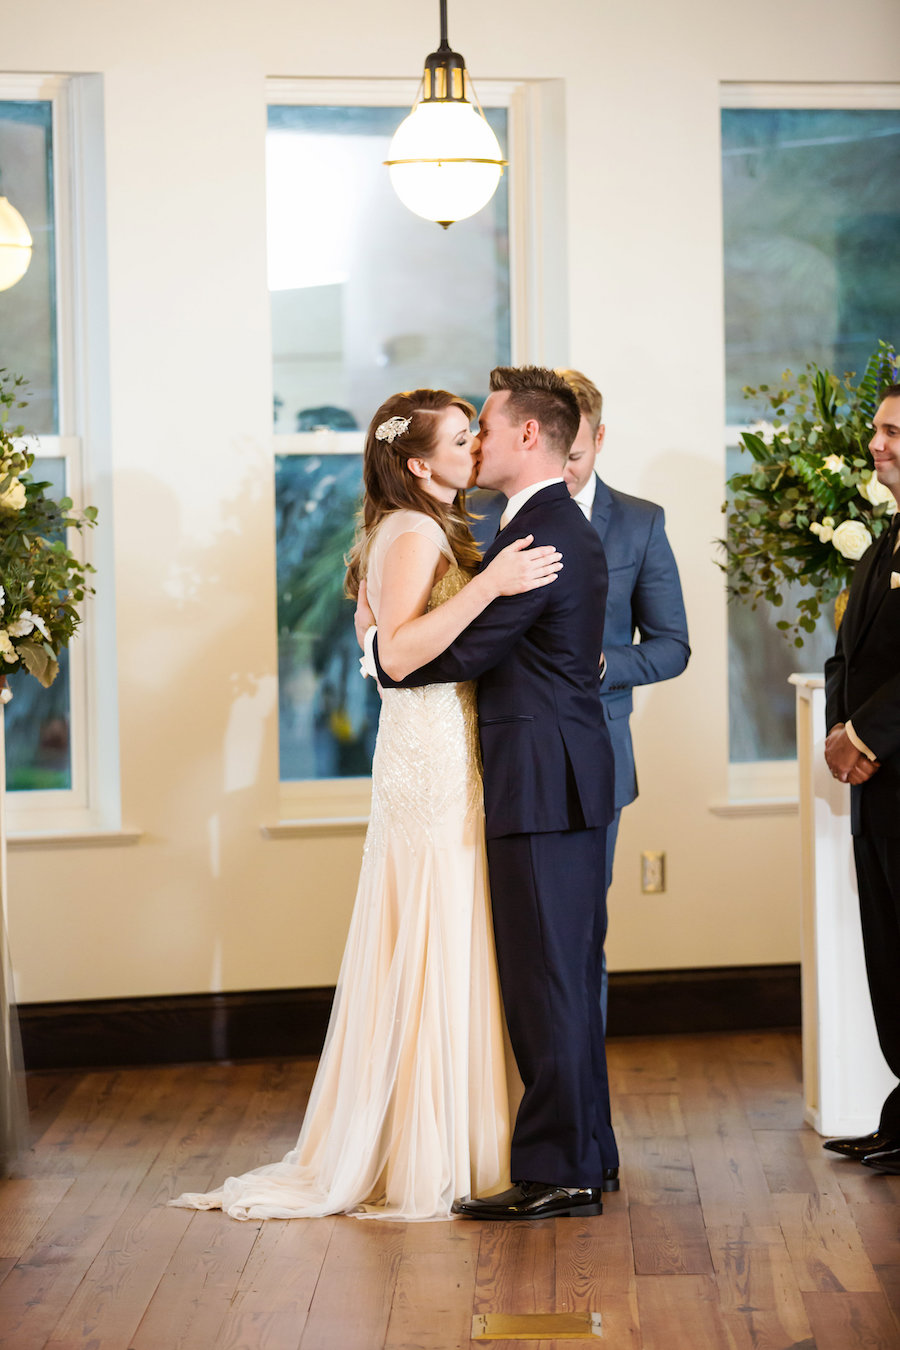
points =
(366, 299)
(811, 209)
(50, 127)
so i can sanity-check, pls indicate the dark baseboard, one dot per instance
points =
(281, 1023)
(724, 998)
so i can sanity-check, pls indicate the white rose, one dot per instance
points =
(851, 539)
(823, 531)
(7, 650)
(834, 463)
(13, 499)
(876, 493)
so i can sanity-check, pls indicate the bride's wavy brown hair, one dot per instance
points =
(390, 485)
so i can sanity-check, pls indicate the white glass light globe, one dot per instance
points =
(15, 246)
(442, 189)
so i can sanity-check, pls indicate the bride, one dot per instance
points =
(410, 1107)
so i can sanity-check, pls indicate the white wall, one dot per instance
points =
(203, 901)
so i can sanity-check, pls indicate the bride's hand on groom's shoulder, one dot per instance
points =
(518, 568)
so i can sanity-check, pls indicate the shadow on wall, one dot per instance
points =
(199, 705)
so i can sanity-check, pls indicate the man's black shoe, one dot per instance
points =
(610, 1178)
(876, 1142)
(888, 1160)
(533, 1200)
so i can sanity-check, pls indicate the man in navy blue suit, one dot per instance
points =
(644, 595)
(548, 791)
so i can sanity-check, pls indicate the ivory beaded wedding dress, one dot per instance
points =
(410, 1105)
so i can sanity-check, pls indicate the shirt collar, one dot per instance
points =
(518, 500)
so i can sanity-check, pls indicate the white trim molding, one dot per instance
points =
(83, 443)
(809, 95)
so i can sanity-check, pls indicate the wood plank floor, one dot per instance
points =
(732, 1231)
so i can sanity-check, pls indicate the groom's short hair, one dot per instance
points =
(537, 392)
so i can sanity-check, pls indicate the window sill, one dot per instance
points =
(42, 839)
(758, 806)
(302, 829)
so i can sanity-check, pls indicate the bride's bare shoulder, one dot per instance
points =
(407, 521)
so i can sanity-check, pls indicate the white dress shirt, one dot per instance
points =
(585, 498)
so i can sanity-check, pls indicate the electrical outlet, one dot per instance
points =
(653, 872)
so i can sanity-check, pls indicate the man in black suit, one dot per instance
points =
(644, 597)
(862, 685)
(548, 789)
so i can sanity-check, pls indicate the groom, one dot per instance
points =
(548, 792)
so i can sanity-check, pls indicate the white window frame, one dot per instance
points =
(775, 782)
(539, 319)
(92, 802)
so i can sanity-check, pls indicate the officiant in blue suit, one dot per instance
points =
(645, 636)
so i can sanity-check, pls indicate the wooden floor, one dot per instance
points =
(732, 1229)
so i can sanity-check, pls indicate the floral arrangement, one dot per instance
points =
(41, 581)
(811, 504)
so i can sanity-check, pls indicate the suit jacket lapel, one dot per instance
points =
(602, 507)
(872, 591)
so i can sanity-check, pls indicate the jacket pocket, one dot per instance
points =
(618, 707)
(513, 717)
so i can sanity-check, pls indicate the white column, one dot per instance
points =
(845, 1078)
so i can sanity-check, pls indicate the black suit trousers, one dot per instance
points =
(878, 881)
(548, 896)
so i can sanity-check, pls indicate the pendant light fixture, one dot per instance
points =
(15, 245)
(445, 161)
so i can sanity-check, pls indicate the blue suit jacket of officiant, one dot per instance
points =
(644, 597)
(548, 762)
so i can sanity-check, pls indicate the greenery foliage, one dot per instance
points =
(42, 582)
(810, 504)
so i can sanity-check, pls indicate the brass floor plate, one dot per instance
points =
(571, 1326)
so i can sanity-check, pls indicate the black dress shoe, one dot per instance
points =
(610, 1179)
(532, 1200)
(887, 1160)
(860, 1148)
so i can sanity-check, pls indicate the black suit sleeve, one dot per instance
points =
(835, 684)
(877, 721)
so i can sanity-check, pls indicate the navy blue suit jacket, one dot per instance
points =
(644, 597)
(548, 762)
(862, 685)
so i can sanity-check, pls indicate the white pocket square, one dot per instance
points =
(895, 581)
